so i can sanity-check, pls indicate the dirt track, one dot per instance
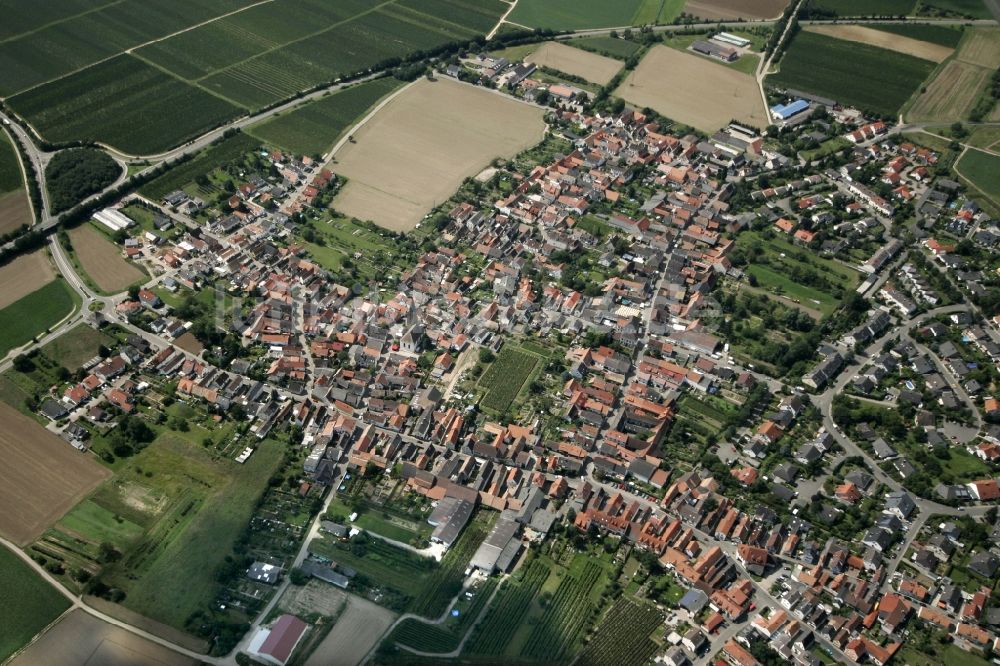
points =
(42, 476)
(415, 151)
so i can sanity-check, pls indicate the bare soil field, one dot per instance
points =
(591, 66)
(693, 90)
(357, 631)
(951, 94)
(119, 612)
(189, 343)
(84, 640)
(102, 260)
(415, 151)
(727, 9)
(885, 40)
(981, 47)
(26, 274)
(42, 476)
(313, 597)
(14, 211)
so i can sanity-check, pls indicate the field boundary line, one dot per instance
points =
(129, 51)
(492, 33)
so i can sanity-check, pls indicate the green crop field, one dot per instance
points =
(582, 14)
(863, 7)
(125, 103)
(71, 38)
(871, 78)
(218, 155)
(615, 48)
(622, 638)
(33, 314)
(935, 34)
(981, 170)
(314, 127)
(10, 167)
(965, 8)
(28, 604)
(505, 378)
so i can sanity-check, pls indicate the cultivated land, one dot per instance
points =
(981, 169)
(102, 260)
(359, 627)
(506, 377)
(693, 90)
(581, 14)
(84, 640)
(722, 9)
(612, 46)
(417, 149)
(27, 603)
(592, 67)
(42, 476)
(871, 78)
(32, 314)
(956, 87)
(314, 127)
(936, 34)
(24, 275)
(14, 208)
(864, 7)
(886, 40)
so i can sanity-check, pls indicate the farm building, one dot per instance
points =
(723, 53)
(489, 552)
(112, 219)
(732, 40)
(276, 643)
(449, 518)
(786, 111)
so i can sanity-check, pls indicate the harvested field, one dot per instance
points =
(956, 87)
(415, 151)
(951, 94)
(885, 40)
(84, 640)
(36, 487)
(14, 211)
(591, 66)
(725, 9)
(981, 47)
(102, 260)
(26, 274)
(693, 90)
(357, 631)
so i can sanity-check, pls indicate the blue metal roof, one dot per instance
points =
(784, 111)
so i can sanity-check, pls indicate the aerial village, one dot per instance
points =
(557, 354)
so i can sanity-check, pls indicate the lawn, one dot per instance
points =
(874, 79)
(77, 346)
(506, 377)
(583, 14)
(194, 509)
(950, 655)
(28, 604)
(382, 520)
(981, 170)
(925, 32)
(779, 282)
(313, 128)
(35, 313)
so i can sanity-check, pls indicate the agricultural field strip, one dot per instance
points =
(504, 379)
(565, 615)
(426, 637)
(623, 637)
(508, 610)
